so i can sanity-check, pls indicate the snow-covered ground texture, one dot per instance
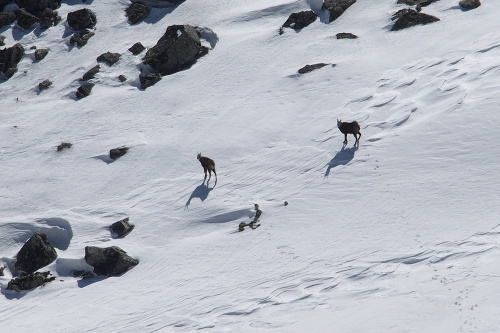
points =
(398, 234)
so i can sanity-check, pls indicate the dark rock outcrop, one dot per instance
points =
(336, 7)
(45, 84)
(310, 68)
(109, 58)
(42, 10)
(136, 12)
(81, 19)
(90, 74)
(406, 18)
(40, 54)
(148, 80)
(137, 48)
(81, 38)
(9, 58)
(30, 281)
(422, 3)
(122, 78)
(2, 40)
(110, 261)
(469, 4)
(115, 153)
(7, 18)
(177, 49)
(300, 20)
(84, 90)
(64, 145)
(35, 254)
(25, 19)
(346, 35)
(122, 228)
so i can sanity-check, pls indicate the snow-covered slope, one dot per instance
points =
(398, 234)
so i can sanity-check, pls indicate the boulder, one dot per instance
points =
(336, 7)
(40, 54)
(346, 35)
(81, 19)
(177, 49)
(90, 74)
(300, 20)
(469, 4)
(30, 281)
(36, 7)
(148, 80)
(25, 19)
(82, 38)
(137, 48)
(2, 40)
(136, 12)
(110, 261)
(9, 58)
(64, 145)
(45, 84)
(84, 90)
(115, 153)
(109, 58)
(406, 18)
(122, 228)
(422, 3)
(310, 68)
(7, 18)
(122, 78)
(35, 254)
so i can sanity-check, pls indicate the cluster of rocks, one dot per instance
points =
(9, 58)
(37, 253)
(253, 225)
(138, 11)
(30, 12)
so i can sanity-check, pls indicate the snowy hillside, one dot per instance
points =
(400, 233)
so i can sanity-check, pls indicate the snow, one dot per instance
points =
(399, 234)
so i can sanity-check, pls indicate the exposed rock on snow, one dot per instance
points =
(64, 145)
(122, 228)
(90, 74)
(82, 38)
(81, 19)
(406, 18)
(300, 20)
(137, 48)
(7, 18)
(45, 84)
(35, 254)
(117, 152)
(422, 3)
(148, 80)
(110, 261)
(30, 281)
(84, 90)
(109, 58)
(136, 12)
(25, 20)
(9, 58)
(310, 68)
(40, 54)
(470, 4)
(346, 35)
(336, 7)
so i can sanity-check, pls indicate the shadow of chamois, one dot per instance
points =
(344, 156)
(200, 192)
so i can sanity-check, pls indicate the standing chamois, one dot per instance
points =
(349, 128)
(207, 164)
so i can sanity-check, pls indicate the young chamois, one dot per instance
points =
(207, 164)
(349, 128)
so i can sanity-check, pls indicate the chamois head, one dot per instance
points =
(199, 156)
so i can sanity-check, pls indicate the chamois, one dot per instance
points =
(349, 128)
(207, 164)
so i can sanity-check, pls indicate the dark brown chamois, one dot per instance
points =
(349, 128)
(207, 164)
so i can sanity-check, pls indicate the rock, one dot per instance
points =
(90, 74)
(1, 270)
(7, 18)
(84, 90)
(25, 19)
(122, 228)
(336, 7)
(177, 49)
(110, 261)
(40, 54)
(2, 40)
(81, 39)
(136, 12)
(300, 20)
(30, 281)
(346, 35)
(45, 84)
(148, 80)
(115, 153)
(406, 18)
(36, 7)
(48, 18)
(35, 254)
(64, 145)
(109, 58)
(9, 58)
(122, 78)
(469, 4)
(81, 19)
(422, 3)
(310, 68)
(137, 48)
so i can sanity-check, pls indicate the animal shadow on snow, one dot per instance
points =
(200, 192)
(344, 156)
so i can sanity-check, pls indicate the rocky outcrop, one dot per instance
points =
(84, 90)
(9, 58)
(136, 12)
(109, 58)
(110, 261)
(64, 145)
(26, 20)
(81, 38)
(35, 254)
(346, 35)
(310, 68)
(336, 7)
(122, 228)
(36, 11)
(115, 153)
(40, 54)
(30, 281)
(81, 19)
(137, 48)
(148, 80)
(300, 20)
(45, 84)
(469, 4)
(406, 18)
(422, 3)
(90, 74)
(177, 49)
(7, 18)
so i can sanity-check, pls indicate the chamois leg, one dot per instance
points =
(209, 175)
(215, 176)
(345, 138)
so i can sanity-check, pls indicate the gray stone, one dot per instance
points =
(469, 4)
(346, 35)
(84, 90)
(35, 254)
(9, 58)
(30, 281)
(7, 18)
(137, 48)
(148, 80)
(122, 78)
(40, 54)
(64, 145)
(110, 261)
(45, 84)
(422, 3)
(81, 19)
(90, 74)
(300, 20)
(122, 227)
(115, 153)
(2, 40)
(310, 68)
(136, 12)
(81, 39)
(25, 19)
(336, 7)
(406, 18)
(109, 58)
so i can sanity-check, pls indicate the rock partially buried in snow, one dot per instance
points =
(35, 254)
(40, 54)
(310, 68)
(90, 74)
(300, 20)
(406, 18)
(115, 153)
(137, 48)
(84, 90)
(122, 228)
(110, 261)
(81, 19)
(30, 281)
(336, 7)
(469, 4)
(45, 84)
(148, 80)
(9, 58)
(81, 38)
(109, 58)
(136, 12)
